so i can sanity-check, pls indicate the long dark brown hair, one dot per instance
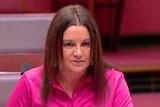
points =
(65, 17)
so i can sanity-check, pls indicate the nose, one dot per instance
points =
(78, 51)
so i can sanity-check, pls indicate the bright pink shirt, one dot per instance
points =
(27, 92)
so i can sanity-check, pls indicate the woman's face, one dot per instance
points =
(76, 49)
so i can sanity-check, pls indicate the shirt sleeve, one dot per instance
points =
(21, 95)
(122, 96)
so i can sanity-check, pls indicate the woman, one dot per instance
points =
(74, 73)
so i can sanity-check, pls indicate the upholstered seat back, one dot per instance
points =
(7, 82)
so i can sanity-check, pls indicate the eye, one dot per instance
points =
(68, 45)
(85, 44)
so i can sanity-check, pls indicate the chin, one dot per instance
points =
(79, 69)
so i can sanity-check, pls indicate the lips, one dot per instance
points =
(77, 63)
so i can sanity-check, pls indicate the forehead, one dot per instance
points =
(76, 32)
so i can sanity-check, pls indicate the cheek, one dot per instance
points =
(66, 55)
(87, 55)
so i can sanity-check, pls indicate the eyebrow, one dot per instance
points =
(68, 40)
(88, 39)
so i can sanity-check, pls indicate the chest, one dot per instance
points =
(81, 97)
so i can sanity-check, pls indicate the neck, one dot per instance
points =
(69, 81)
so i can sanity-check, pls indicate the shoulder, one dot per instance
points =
(114, 78)
(34, 74)
(119, 91)
(113, 74)
(26, 88)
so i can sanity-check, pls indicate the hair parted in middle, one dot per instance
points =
(64, 18)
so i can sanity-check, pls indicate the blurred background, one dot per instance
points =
(130, 32)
